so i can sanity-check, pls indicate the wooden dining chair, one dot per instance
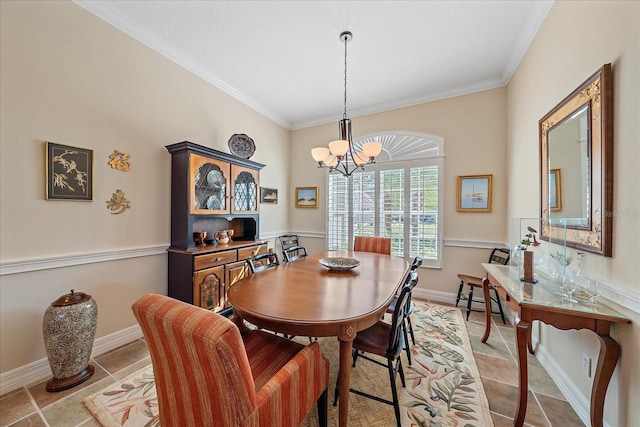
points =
(291, 254)
(498, 256)
(417, 262)
(262, 262)
(294, 253)
(381, 245)
(212, 371)
(383, 340)
(407, 326)
(288, 241)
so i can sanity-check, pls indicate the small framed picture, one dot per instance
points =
(474, 193)
(555, 190)
(306, 197)
(268, 195)
(69, 172)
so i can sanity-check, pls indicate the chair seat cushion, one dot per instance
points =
(267, 353)
(471, 280)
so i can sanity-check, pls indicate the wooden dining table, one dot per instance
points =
(304, 298)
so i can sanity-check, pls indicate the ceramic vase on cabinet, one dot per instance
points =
(69, 327)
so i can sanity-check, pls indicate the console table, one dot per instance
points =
(540, 301)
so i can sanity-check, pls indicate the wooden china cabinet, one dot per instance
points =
(211, 191)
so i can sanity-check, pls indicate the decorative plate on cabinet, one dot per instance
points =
(241, 145)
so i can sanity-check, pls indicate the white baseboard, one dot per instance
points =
(39, 370)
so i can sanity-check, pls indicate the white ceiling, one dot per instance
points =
(285, 59)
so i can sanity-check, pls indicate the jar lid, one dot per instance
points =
(71, 298)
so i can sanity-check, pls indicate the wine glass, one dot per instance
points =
(570, 285)
(558, 275)
(592, 287)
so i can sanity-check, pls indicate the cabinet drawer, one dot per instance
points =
(213, 259)
(246, 253)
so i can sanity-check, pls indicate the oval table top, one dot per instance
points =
(304, 297)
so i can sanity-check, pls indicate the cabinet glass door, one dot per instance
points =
(245, 189)
(209, 185)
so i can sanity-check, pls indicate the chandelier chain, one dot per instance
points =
(344, 115)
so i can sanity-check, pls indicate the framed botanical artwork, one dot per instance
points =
(474, 193)
(555, 190)
(268, 195)
(306, 197)
(69, 172)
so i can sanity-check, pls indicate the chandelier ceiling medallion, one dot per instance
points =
(340, 155)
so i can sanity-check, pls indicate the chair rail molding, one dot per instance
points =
(35, 264)
(474, 244)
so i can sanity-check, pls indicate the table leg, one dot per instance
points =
(607, 360)
(344, 381)
(487, 309)
(523, 334)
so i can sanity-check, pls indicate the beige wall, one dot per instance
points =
(69, 77)
(576, 39)
(474, 131)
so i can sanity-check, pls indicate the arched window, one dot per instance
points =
(399, 197)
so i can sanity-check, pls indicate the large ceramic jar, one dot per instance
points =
(69, 327)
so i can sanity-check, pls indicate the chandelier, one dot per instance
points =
(340, 155)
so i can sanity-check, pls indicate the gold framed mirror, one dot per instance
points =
(576, 167)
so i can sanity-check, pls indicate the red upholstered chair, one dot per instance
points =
(210, 371)
(381, 245)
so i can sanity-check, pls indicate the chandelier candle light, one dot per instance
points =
(341, 152)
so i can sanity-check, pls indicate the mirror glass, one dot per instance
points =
(570, 169)
(576, 167)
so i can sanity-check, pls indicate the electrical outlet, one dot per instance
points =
(586, 364)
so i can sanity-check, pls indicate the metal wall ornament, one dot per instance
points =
(119, 161)
(118, 203)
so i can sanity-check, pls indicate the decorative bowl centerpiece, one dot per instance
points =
(339, 263)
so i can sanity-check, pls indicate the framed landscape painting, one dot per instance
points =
(268, 195)
(69, 172)
(306, 197)
(474, 193)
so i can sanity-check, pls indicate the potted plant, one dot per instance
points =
(528, 240)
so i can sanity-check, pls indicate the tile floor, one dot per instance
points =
(33, 406)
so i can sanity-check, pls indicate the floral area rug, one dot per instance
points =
(443, 385)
